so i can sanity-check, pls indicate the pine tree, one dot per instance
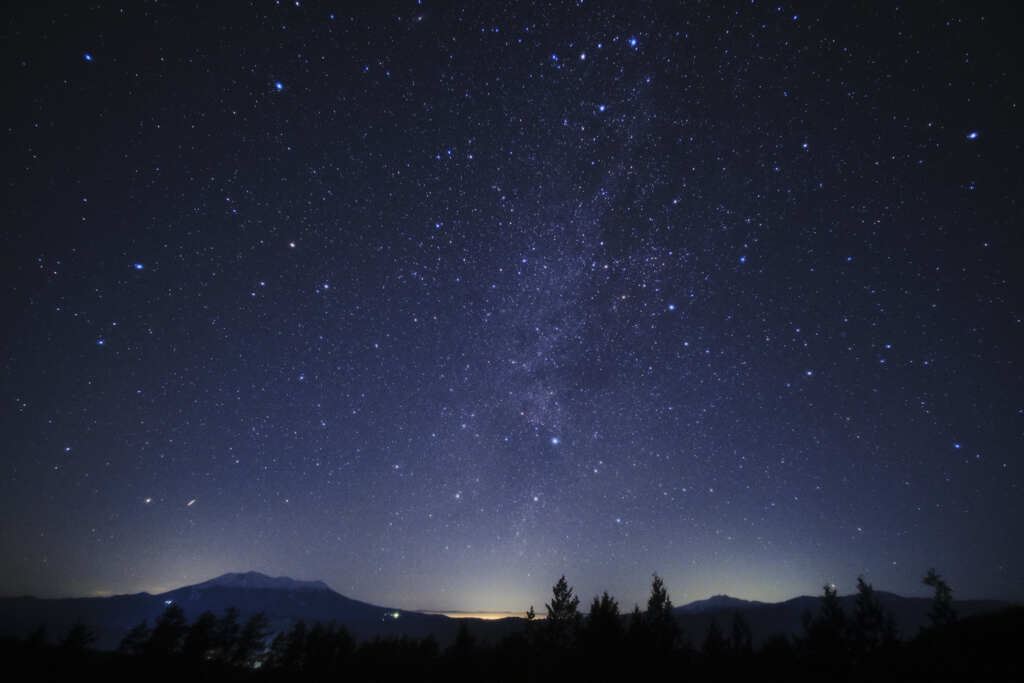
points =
(715, 644)
(168, 632)
(78, 639)
(564, 605)
(869, 621)
(603, 628)
(134, 642)
(250, 643)
(563, 620)
(742, 640)
(662, 624)
(942, 603)
(199, 641)
(827, 633)
(225, 636)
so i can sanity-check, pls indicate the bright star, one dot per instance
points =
(278, 86)
(973, 135)
(87, 57)
(555, 441)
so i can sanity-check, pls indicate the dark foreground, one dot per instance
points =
(603, 645)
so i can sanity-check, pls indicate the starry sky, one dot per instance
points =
(436, 303)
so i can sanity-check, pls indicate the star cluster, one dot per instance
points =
(436, 304)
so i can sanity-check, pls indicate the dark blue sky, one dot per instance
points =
(437, 304)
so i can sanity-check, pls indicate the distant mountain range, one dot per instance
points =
(767, 619)
(286, 601)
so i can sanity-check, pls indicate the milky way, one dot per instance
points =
(438, 304)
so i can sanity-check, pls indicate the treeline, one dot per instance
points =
(603, 644)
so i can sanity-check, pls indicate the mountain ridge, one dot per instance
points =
(285, 601)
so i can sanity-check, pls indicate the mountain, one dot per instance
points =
(282, 599)
(767, 619)
(285, 601)
(257, 580)
(717, 603)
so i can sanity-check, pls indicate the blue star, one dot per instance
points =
(601, 107)
(671, 307)
(555, 441)
(138, 266)
(278, 86)
(87, 57)
(973, 135)
(632, 42)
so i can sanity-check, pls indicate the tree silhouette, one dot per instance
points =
(872, 626)
(741, 640)
(826, 634)
(200, 639)
(563, 608)
(602, 631)
(78, 639)
(290, 653)
(942, 612)
(134, 642)
(250, 642)
(661, 623)
(168, 632)
(715, 645)
(225, 635)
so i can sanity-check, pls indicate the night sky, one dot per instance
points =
(436, 304)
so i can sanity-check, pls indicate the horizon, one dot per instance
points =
(490, 614)
(438, 303)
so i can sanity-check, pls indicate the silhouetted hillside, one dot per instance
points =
(286, 601)
(786, 618)
(283, 600)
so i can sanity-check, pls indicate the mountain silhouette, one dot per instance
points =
(285, 601)
(282, 599)
(767, 619)
(717, 603)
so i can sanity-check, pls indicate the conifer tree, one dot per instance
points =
(868, 619)
(564, 605)
(134, 642)
(942, 612)
(715, 644)
(661, 623)
(563, 620)
(250, 642)
(199, 641)
(742, 639)
(78, 639)
(168, 632)
(603, 627)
